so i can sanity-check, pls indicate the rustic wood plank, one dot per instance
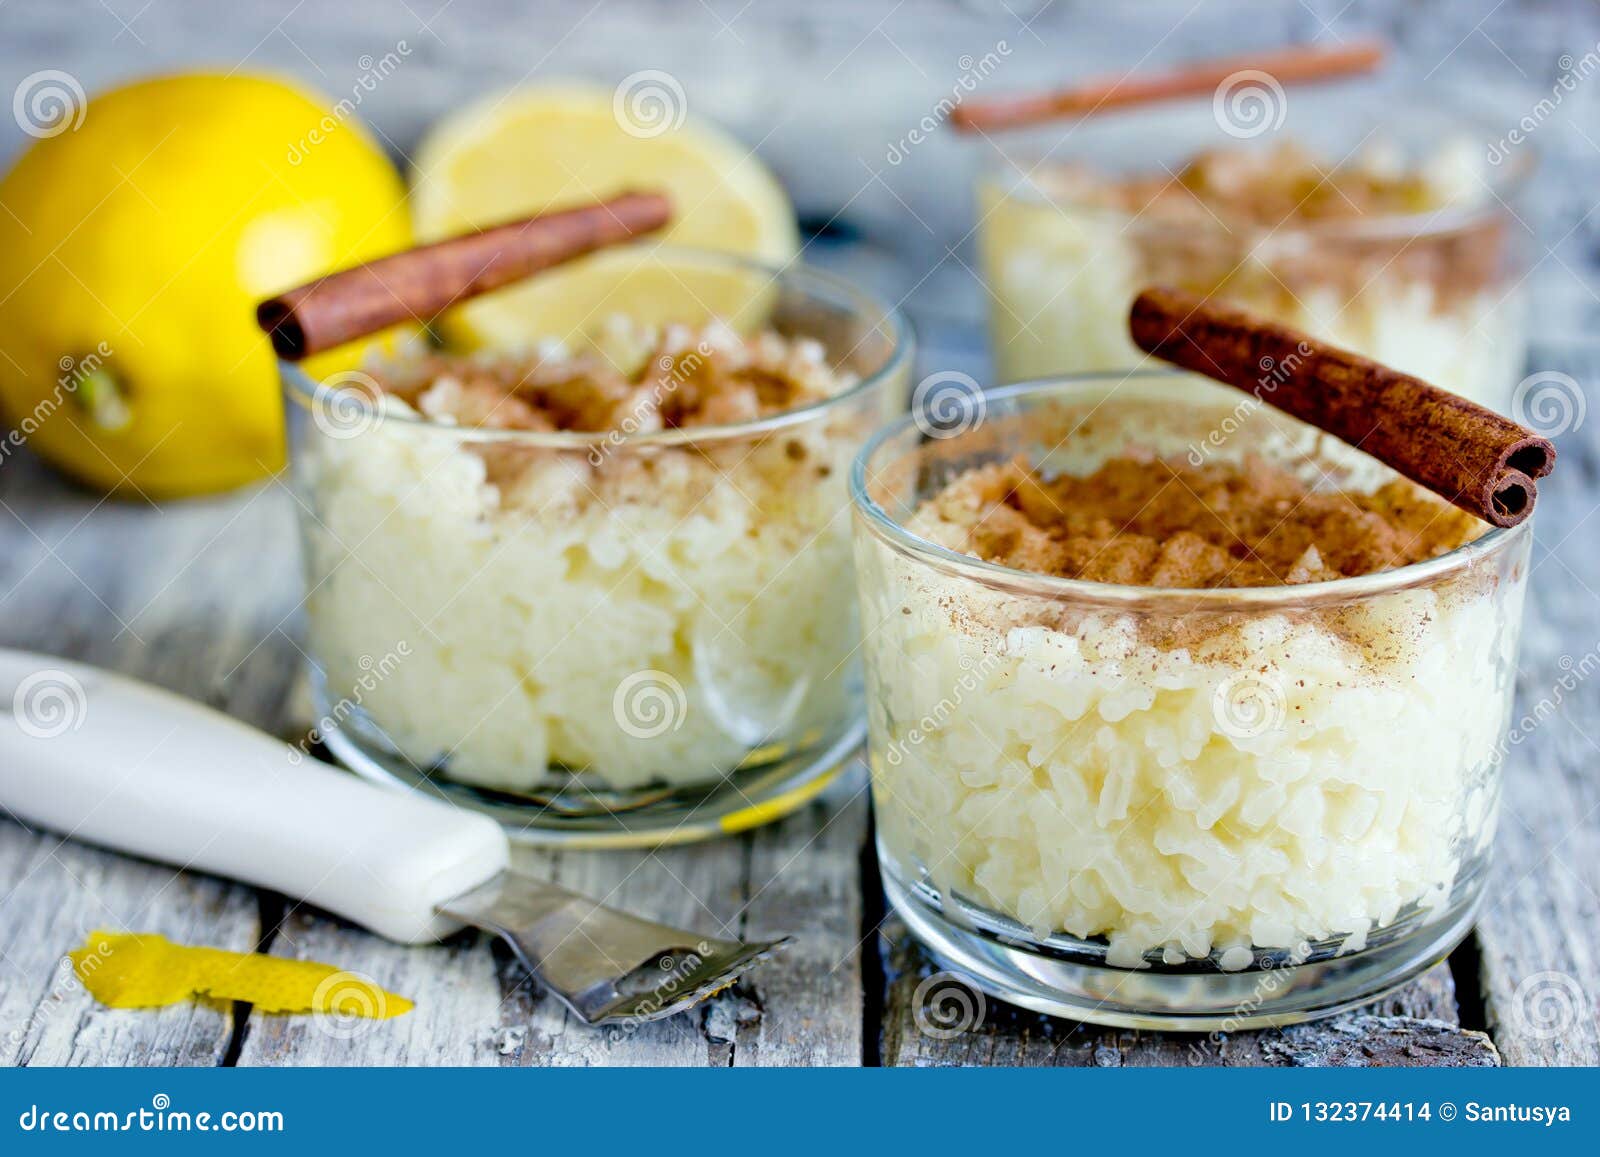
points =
(73, 592)
(129, 587)
(1539, 935)
(458, 993)
(806, 1006)
(55, 893)
(477, 1006)
(1363, 1040)
(1541, 917)
(1416, 1025)
(799, 877)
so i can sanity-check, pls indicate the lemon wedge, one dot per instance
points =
(539, 148)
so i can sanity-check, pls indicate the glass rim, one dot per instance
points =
(812, 282)
(1022, 159)
(1021, 581)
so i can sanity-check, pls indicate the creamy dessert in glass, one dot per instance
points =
(600, 586)
(1175, 729)
(1383, 230)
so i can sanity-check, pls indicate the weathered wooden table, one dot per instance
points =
(202, 596)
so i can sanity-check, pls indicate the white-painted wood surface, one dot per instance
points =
(1539, 935)
(201, 596)
(825, 88)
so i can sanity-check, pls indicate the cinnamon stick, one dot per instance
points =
(1477, 459)
(418, 283)
(1295, 65)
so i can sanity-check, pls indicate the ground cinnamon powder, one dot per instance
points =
(637, 379)
(1156, 522)
(627, 380)
(1282, 221)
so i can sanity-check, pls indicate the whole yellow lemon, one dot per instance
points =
(137, 235)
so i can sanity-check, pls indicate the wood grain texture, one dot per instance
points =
(114, 584)
(477, 1006)
(1417, 1025)
(54, 894)
(1539, 934)
(807, 1008)
(200, 596)
(158, 592)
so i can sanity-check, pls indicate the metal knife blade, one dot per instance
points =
(606, 966)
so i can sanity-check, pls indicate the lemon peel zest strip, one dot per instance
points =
(145, 970)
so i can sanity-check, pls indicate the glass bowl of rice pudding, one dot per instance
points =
(1400, 242)
(599, 586)
(1173, 730)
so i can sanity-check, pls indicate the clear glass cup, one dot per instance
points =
(601, 638)
(1437, 293)
(1173, 808)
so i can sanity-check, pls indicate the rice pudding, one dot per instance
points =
(619, 566)
(1171, 716)
(1408, 263)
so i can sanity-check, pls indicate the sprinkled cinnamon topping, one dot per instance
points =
(1209, 225)
(635, 379)
(1267, 188)
(1148, 521)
